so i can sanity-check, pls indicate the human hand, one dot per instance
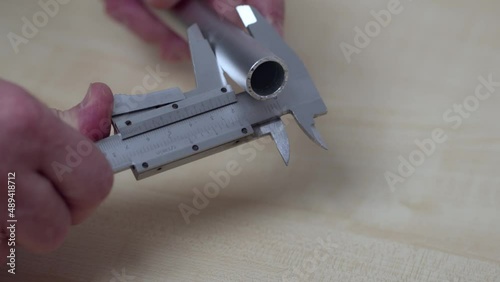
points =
(60, 176)
(135, 15)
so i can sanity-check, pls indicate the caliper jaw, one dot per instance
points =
(300, 95)
(276, 129)
(208, 73)
(135, 115)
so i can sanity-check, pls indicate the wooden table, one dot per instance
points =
(329, 216)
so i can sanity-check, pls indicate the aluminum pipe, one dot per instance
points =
(253, 67)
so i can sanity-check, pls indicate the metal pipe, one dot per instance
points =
(252, 66)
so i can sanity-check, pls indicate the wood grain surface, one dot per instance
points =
(329, 216)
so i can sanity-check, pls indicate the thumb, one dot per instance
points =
(92, 116)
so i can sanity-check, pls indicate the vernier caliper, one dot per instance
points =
(162, 130)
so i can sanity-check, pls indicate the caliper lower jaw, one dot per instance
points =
(305, 115)
(276, 129)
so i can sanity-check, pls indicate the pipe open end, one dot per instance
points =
(267, 79)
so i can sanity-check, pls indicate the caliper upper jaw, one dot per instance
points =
(300, 95)
(137, 114)
(208, 73)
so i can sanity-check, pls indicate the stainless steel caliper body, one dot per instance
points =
(159, 131)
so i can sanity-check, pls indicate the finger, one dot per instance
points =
(136, 16)
(163, 4)
(78, 170)
(225, 8)
(75, 167)
(43, 219)
(92, 117)
(272, 10)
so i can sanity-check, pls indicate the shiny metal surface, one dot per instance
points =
(252, 66)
